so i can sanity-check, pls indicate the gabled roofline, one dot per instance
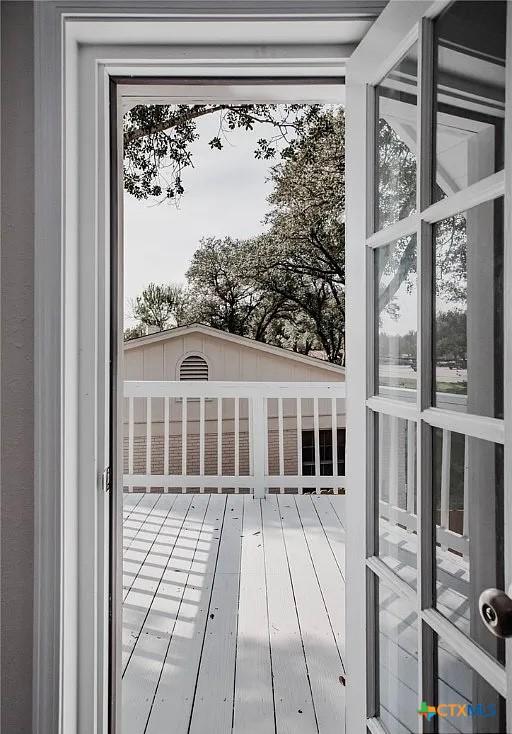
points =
(178, 331)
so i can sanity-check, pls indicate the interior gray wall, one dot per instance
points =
(16, 365)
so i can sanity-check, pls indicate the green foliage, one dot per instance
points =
(302, 257)
(161, 306)
(287, 285)
(134, 332)
(451, 339)
(450, 240)
(396, 190)
(227, 296)
(157, 139)
(396, 177)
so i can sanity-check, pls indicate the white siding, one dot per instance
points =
(227, 361)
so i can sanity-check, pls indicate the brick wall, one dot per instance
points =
(228, 453)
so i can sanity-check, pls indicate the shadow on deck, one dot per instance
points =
(233, 616)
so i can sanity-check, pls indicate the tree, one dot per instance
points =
(162, 306)
(451, 339)
(226, 297)
(134, 332)
(301, 259)
(157, 139)
(396, 187)
(396, 176)
(286, 286)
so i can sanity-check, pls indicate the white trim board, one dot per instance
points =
(78, 44)
(395, 31)
(294, 90)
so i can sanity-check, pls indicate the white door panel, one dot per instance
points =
(429, 354)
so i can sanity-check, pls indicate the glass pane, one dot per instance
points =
(469, 529)
(398, 663)
(396, 318)
(470, 94)
(396, 481)
(468, 311)
(396, 142)
(466, 702)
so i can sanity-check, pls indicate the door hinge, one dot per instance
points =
(106, 480)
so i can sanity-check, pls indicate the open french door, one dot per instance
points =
(429, 371)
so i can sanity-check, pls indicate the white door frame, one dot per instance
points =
(399, 26)
(78, 47)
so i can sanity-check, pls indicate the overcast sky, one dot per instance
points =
(225, 194)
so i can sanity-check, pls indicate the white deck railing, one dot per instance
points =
(401, 510)
(188, 423)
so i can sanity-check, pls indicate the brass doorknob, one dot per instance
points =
(496, 612)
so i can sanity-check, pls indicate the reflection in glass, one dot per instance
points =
(459, 685)
(468, 328)
(398, 663)
(469, 529)
(396, 480)
(470, 94)
(396, 142)
(395, 269)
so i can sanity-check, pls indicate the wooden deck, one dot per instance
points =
(233, 615)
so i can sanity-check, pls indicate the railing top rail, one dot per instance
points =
(225, 389)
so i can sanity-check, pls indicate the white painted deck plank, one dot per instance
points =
(144, 542)
(175, 693)
(145, 666)
(322, 655)
(138, 517)
(138, 502)
(140, 597)
(254, 707)
(213, 705)
(168, 630)
(141, 519)
(294, 708)
(327, 569)
(339, 505)
(130, 502)
(331, 511)
(136, 547)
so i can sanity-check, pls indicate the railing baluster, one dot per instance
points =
(184, 429)
(299, 441)
(259, 434)
(202, 437)
(166, 435)
(445, 478)
(280, 435)
(148, 435)
(465, 511)
(219, 437)
(316, 433)
(250, 429)
(411, 474)
(334, 429)
(380, 454)
(130, 434)
(394, 455)
(265, 434)
(237, 437)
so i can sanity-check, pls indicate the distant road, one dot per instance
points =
(405, 372)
